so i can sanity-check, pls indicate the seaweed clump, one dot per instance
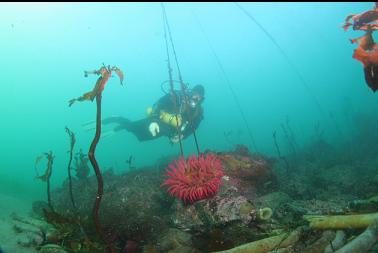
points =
(47, 175)
(81, 165)
(70, 234)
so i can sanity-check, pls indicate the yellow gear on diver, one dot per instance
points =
(170, 118)
(149, 111)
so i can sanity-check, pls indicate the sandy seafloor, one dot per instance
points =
(8, 238)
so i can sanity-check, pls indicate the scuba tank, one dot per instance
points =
(149, 111)
(170, 119)
(166, 117)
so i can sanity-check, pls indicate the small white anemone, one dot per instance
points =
(264, 213)
(226, 178)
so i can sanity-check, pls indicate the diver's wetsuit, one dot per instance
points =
(140, 128)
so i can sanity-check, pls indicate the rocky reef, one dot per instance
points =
(137, 212)
(259, 205)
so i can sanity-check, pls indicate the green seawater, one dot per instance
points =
(315, 88)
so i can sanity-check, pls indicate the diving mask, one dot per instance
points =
(196, 99)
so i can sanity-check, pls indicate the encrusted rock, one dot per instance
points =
(226, 207)
(273, 200)
(30, 232)
(174, 240)
(52, 248)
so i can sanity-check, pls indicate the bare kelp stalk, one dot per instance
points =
(104, 73)
(279, 153)
(46, 176)
(291, 134)
(289, 140)
(72, 144)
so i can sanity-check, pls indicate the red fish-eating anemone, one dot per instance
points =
(194, 179)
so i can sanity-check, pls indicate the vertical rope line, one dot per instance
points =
(228, 82)
(183, 86)
(173, 94)
(286, 57)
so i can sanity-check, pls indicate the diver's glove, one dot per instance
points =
(176, 138)
(154, 128)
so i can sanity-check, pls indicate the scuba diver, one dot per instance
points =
(162, 119)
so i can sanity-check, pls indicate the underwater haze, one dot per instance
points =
(45, 48)
(293, 68)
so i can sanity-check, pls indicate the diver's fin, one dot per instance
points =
(92, 128)
(112, 119)
(108, 133)
(89, 125)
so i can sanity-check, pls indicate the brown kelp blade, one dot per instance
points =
(38, 159)
(120, 74)
(371, 76)
(364, 21)
(86, 96)
(105, 73)
(366, 41)
(347, 23)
